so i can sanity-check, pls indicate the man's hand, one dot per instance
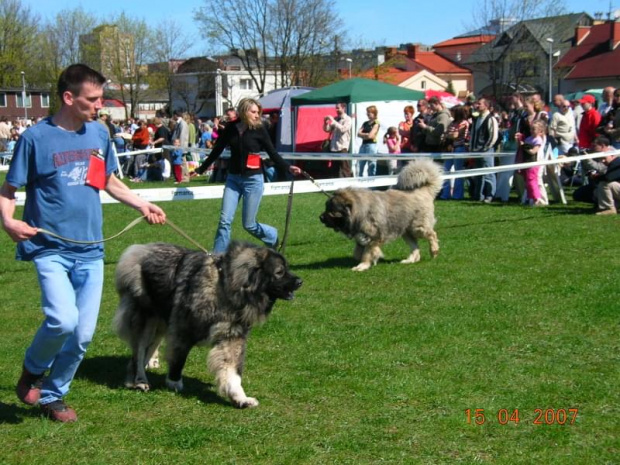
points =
(153, 214)
(18, 230)
(295, 170)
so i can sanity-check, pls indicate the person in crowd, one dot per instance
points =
(404, 129)
(529, 148)
(246, 138)
(181, 129)
(339, 129)
(46, 160)
(562, 127)
(608, 101)
(5, 132)
(590, 120)
(192, 132)
(611, 122)
(140, 140)
(176, 155)
(418, 136)
(161, 136)
(106, 120)
(517, 119)
(435, 130)
(393, 142)
(206, 137)
(369, 133)
(457, 137)
(484, 134)
(608, 183)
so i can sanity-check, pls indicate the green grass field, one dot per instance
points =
(519, 313)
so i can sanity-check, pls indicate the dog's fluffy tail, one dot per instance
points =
(129, 287)
(420, 173)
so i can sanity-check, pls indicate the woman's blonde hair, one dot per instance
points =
(244, 108)
(372, 109)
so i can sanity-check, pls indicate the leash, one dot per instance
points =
(313, 181)
(289, 207)
(123, 231)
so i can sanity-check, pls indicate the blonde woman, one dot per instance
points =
(368, 133)
(246, 137)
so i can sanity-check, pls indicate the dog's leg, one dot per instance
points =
(414, 256)
(367, 258)
(433, 242)
(226, 363)
(142, 350)
(176, 353)
(358, 251)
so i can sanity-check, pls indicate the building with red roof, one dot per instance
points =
(594, 59)
(418, 68)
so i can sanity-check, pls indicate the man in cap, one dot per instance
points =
(590, 120)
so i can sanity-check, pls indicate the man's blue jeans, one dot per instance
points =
(70, 299)
(250, 188)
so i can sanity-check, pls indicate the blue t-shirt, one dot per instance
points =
(205, 137)
(52, 163)
(177, 157)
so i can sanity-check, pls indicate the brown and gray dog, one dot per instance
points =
(192, 298)
(372, 218)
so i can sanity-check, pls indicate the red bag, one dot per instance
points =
(95, 176)
(253, 161)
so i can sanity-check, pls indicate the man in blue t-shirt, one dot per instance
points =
(63, 162)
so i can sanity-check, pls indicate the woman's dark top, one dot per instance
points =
(241, 144)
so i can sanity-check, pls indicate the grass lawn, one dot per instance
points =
(519, 313)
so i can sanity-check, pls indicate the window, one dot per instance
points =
(245, 84)
(422, 85)
(45, 100)
(2, 99)
(20, 102)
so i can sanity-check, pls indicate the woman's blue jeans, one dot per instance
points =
(250, 188)
(372, 164)
(70, 300)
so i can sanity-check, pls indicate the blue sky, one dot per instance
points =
(369, 22)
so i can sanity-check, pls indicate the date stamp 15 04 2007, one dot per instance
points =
(540, 416)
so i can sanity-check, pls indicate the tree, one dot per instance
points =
(58, 46)
(18, 32)
(171, 44)
(281, 37)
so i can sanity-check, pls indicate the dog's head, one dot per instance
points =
(338, 211)
(258, 275)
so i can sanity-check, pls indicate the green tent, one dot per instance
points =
(355, 91)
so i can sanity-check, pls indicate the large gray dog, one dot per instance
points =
(373, 218)
(190, 298)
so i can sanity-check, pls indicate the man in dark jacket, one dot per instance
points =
(608, 188)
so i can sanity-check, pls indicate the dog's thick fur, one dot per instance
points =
(372, 218)
(190, 298)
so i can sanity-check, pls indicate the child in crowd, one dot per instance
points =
(177, 161)
(529, 149)
(392, 140)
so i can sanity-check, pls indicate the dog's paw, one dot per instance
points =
(176, 386)
(361, 267)
(247, 402)
(153, 363)
(144, 387)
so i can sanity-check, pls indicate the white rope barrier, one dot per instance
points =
(279, 188)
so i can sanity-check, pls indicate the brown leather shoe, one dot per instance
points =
(59, 411)
(29, 387)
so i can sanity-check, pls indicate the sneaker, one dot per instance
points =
(29, 387)
(611, 211)
(59, 411)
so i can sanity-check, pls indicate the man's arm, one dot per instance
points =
(122, 193)
(16, 229)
